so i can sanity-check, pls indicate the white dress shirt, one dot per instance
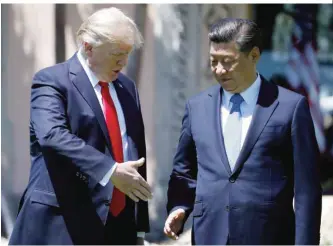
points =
(121, 119)
(250, 96)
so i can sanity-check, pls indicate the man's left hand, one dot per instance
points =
(140, 241)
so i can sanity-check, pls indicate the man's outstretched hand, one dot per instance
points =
(174, 223)
(127, 179)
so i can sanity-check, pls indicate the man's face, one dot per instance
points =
(232, 68)
(108, 59)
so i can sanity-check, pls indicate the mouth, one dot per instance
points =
(116, 71)
(225, 80)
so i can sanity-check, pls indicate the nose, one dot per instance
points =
(220, 70)
(122, 62)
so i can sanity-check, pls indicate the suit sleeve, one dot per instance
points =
(183, 179)
(307, 186)
(49, 122)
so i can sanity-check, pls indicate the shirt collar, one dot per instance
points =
(249, 95)
(92, 77)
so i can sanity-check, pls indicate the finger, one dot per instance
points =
(141, 184)
(165, 231)
(132, 196)
(144, 191)
(174, 236)
(139, 162)
(170, 220)
(174, 224)
(167, 225)
(175, 228)
(168, 231)
(144, 184)
(138, 194)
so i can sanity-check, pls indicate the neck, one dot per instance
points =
(86, 60)
(250, 80)
(98, 76)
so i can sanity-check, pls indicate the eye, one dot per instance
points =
(117, 53)
(214, 62)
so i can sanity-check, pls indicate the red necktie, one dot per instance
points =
(118, 198)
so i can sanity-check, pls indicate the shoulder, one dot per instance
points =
(288, 96)
(199, 97)
(283, 95)
(56, 75)
(53, 71)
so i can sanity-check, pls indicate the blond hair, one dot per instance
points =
(109, 25)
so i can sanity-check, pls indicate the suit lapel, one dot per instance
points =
(214, 102)
(126, 103)
(131, 115)
(83, 85)
(267, 103)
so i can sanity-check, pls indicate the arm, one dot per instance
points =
(50, 124)
(182, 184)
(307, 187)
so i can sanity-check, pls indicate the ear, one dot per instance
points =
(88, 49)
(254, 55)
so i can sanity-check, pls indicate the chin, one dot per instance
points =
(231, 90)
(114, 77)
(110, 78)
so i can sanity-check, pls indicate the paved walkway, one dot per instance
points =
(327, 221)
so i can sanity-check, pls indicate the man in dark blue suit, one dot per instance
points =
(86, 183)
(247, 149)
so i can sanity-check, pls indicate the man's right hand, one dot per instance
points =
(127, 179)
(174, 223)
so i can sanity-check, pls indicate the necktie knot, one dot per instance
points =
(103, 84)
(236, 100)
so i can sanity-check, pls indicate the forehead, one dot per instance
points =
(120, 47)
(224, 49)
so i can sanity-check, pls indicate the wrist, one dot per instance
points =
(114, 170)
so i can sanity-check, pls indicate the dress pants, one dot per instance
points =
(121, 230)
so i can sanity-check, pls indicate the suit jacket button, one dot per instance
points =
(227, 208)
(232, 180)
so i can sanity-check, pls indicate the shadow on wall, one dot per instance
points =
(172, 73)
(74, 16)
(157, 209)
(17, 67)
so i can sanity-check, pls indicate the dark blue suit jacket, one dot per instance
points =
(254, 203)
(70, 153)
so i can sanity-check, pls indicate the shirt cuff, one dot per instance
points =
(108, 175)
(141, 234)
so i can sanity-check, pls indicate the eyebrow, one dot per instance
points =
(119, 53)
(224, 56)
